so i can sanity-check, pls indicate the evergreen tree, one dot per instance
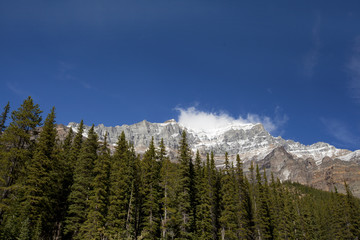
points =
(214, 181)
(94, 225)
(168, 174)
(263, 218)
(64, 180)
(76, 146)
(203, 213)
(121, 185)
(3, 117)
(286, 221)
(134, 212)
(150, 194)
(184, 213)
(17, 146)
(245, 214)
(82, 186)
(229, 204)
(39, 199)
(198, 176)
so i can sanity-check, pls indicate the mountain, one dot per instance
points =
(320, 165)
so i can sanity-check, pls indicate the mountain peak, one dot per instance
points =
(170, 121)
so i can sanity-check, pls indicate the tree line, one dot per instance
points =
(76, 189)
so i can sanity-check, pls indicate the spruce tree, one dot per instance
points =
(229, 226)
(245, 214)
(168, 181)
(94, 225)
(263, 218)
(150, 194)
(39, 198)
(82, 186)
(198, 176)
(214, 181)
(184, 213)
(4, 117)
(64, 181)
(17, 143)
(121, 185)
(204, 220)
(76, 145)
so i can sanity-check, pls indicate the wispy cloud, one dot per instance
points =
(312, 57)
(353, 67)
(86, 85)
(13, 87)
(200, 120)
(65, 73)
(340, 132)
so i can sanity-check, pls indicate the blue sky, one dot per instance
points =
(295, 65)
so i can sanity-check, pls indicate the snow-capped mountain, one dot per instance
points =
(320, 165)
(250, 141)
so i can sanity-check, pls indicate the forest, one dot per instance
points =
(76, 188)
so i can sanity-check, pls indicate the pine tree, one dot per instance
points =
(39, 200)
(64, 181)
(198, 176)
(263, 217)
(214, 181)
(229, 226)
(134, 212)
(168, 174)
(184, 213)
(245, 214)
(17, 144)
(121, 185)
(82, 186)
(94, 225)
(150, 194)
(76, 146)
(287, 218)
(3, 118)
(204, 219)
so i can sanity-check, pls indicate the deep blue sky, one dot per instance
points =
(119, 62)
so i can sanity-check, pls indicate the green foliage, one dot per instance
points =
(230, 206)
(150, 191)
(264, 225)
(3, 117)
(185, 191)
(168, 184)
(244, 214)
(82, 186)
(94, 225)
(40, 183)
(77, 190)
(204, 221)
(121, 191)
(17, 144)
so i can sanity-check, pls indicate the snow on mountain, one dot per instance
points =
(250, 140)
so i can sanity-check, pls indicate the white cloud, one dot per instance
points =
(340, 131)
(17, 90)
(353, 67)
(199, 120)
(312, 57)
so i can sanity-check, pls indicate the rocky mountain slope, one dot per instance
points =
(320, 165)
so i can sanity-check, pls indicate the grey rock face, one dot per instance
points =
(251, 141)
(319, 165)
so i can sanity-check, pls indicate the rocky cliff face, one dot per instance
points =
(320, 165)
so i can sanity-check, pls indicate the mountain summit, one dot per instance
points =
(251, 141)
(320, 165)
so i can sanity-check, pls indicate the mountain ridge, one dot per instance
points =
(250, 141)
(319, 165)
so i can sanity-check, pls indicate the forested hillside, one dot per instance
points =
(76, 189)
